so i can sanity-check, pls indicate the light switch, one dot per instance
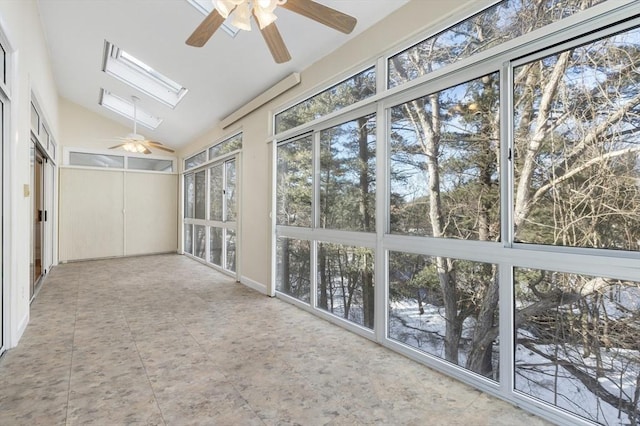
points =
(26, 190)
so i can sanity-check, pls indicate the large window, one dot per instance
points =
(492, 214)
(326, 185)
(577, 145)
(444, 163)
(211, 211)
(295, 185)
(345, 93)
(347, 175)
(577, 343)
(446, 307)
(496, 25)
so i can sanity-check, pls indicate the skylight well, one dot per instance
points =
(125, 108)
(131, 70)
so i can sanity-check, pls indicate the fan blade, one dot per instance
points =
(323, 14)
(146, 151)
(205, 30)
(159, 145)
(276, 45)
(116, 146)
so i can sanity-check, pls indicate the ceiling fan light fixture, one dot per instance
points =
(242, 17)
(264, 17)
(225, 7)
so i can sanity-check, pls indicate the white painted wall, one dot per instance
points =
(31, 72)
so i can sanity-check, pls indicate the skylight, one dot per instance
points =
(206, 7)
(131, 70)
(125, 108)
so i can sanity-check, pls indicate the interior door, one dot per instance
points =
(39, 216)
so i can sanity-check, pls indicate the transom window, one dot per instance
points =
(347, 92)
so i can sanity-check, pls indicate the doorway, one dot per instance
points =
(39, 217)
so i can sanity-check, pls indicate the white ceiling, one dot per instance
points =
(221, 76)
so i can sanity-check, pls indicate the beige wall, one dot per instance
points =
(111, 213)
(31, 71)
(80, 127)
(414, 18)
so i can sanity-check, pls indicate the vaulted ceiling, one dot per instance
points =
(221, 76)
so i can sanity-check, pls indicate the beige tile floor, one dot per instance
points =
(166, 340)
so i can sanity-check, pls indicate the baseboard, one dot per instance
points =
(255, 285)
(22, 327)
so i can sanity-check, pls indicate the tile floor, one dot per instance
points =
(165, 340)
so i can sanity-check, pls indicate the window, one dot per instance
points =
(294, 268)
(126, 109)
(434, 307)
(577, 145)
(577, 343)
(345, 282)
(347, 175)
(200, 195)
(3, 64)
(503, 22)
(96, 160)
(189, 195)
(444, 179)
(131, 70)
(35, 120)
(210, 205)
(509, 226)
(229, 145)
(295, 182)
(195, 160)
(151, 164)
(347, 92)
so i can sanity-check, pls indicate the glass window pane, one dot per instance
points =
(200, 241)
(45, 137)
(189, 196)
(445, 178)
(577, 343)
(96, 160)
(230, 190)
(295, 183)
(188, 238)
(215, 254)
(229, 145)
(201, 196)
(3, 64)
(195, 160)
(447, 308)
(577, 146)
(231, 250)
(491, 27)
(136, 163)
(343, 94)
(35, 120)
(347, 176)
(293, 276)
(216, 192)
(345, 282)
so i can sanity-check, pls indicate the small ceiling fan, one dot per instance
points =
(135, 142)
(263, 12)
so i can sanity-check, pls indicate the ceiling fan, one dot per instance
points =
(135, 142)
(263, 12)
